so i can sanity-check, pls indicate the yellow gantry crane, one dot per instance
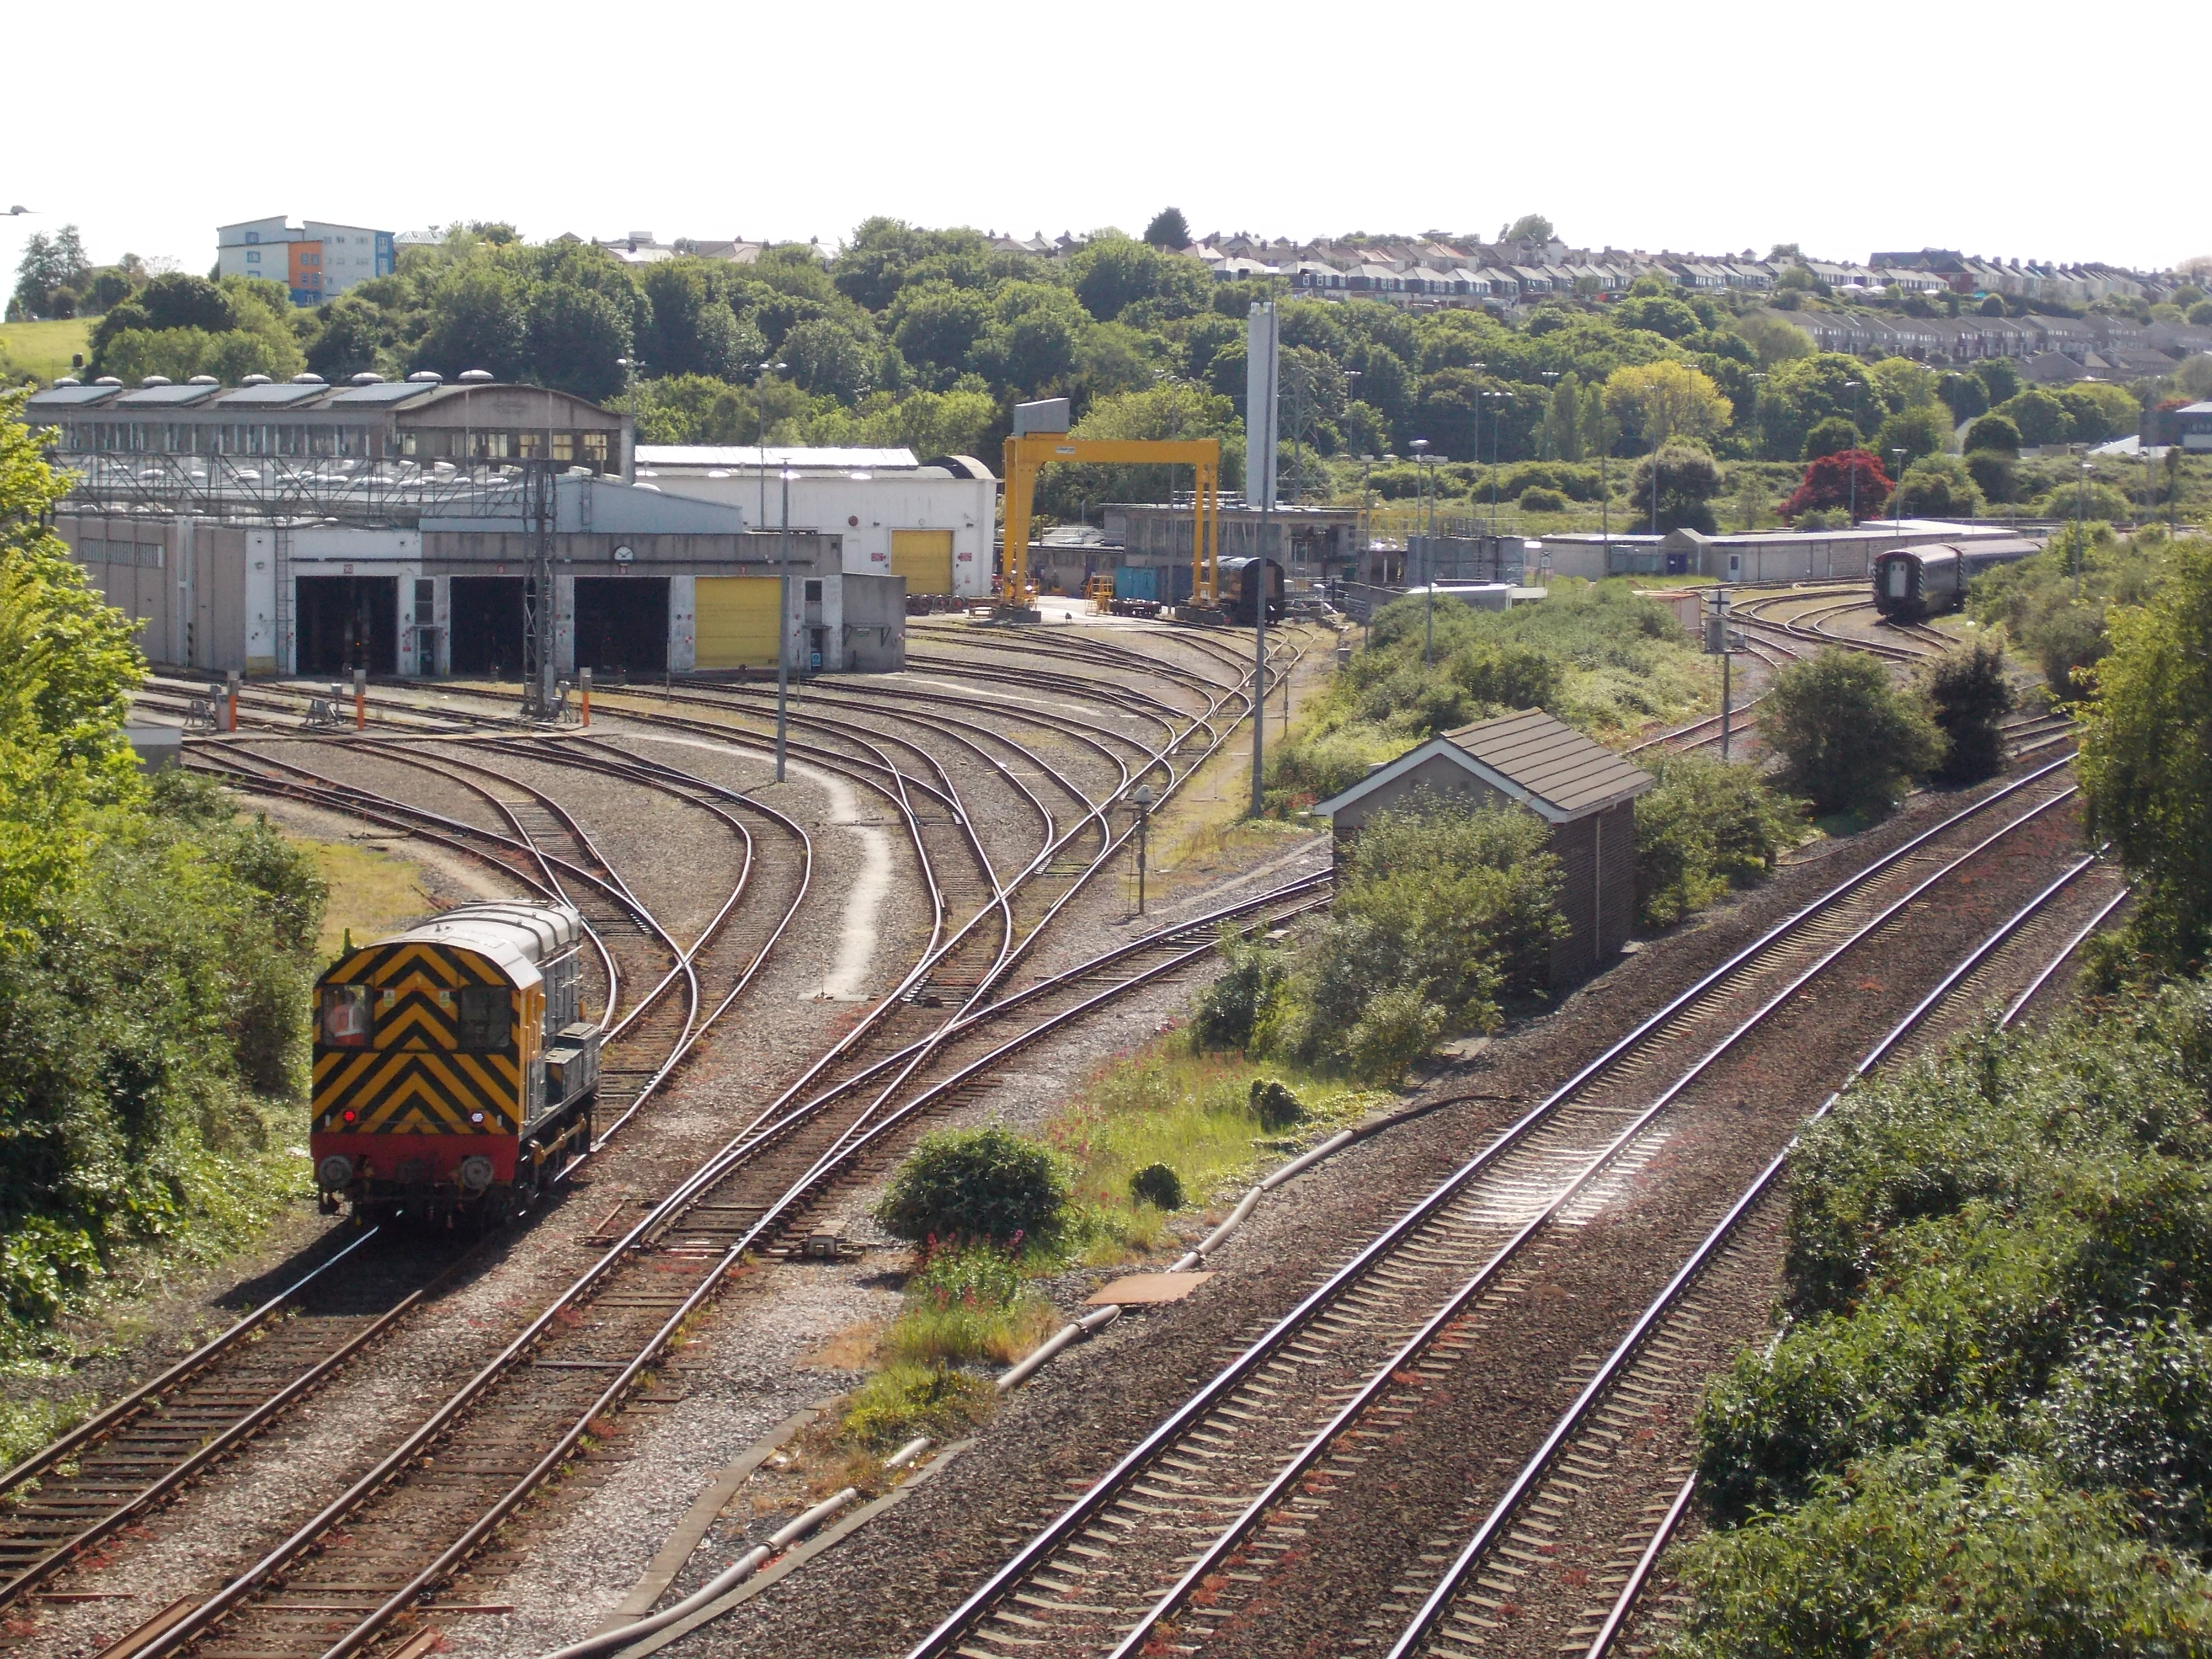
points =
(1028, 451)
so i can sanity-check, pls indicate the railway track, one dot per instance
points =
(658, 1273)
(1273, 1498)
(1592, 1509)
(114, 1469)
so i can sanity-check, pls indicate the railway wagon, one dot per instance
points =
(1240, 581)
(1911, 584)
(453, 1073)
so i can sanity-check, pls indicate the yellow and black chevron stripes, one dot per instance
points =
(403, 1092)
(414, 1076)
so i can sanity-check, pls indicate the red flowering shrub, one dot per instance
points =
(1828, 483)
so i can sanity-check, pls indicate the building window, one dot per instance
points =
(252, 235)
(492, 446)
(254, 256)
(564, 447)
(594, 449)
(530, 445)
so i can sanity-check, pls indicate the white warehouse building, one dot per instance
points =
(932, 522)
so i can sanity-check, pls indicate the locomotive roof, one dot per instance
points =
(517, 933)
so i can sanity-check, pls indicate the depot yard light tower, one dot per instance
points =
(1852, 386)
(540, 698)
(760, 385)
(783, 631)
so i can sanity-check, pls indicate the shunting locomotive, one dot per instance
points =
(454, 1071)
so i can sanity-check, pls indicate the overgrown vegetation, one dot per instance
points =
(1849, 738)
(1985, 1428)
(1597, 655)
(2147, 767)
(1443, 915)
(1969, 694)
(155, 953)
(2053, 604)
(1706, 826)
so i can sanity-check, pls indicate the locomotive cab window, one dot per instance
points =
(345, 1016)
(484, 1017)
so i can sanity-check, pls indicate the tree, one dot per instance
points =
(829, 359)
(1806, 391)
(1528, 227)
(51, 266)
(1563, 435)
(1923, 429)
(2146, 761)
(1774, 340)
(1849, 739)
(1662, 400)
(1830, 437)
(1964, 395)
(1994, 432)
(1938, 487)
(1688, 478)
(1657, 314)
(693, 330)
(1851, 479)
(1112, 273)
(575, 339)
(938, 328)
(2040, 417)
(2097, 411)
(1969, 692)
(1169, 231)
(475, 323)
(1998, 375)
(351, 335)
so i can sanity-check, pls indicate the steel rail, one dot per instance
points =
(211, 1611)
(1538, 1466)
(1080, 1513)
(1212, 1557)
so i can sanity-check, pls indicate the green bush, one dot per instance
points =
(1705, 825)
(1995, 434)
(2147, 761)
(1970, 693)
(1938, 487)
(1537, 500)
(1849, 739)
(1995, 474)
(2008, 1566)
(1275, 1105)
(1442, 912)
(1987, 1425)
(1230, 1012)
(1157, 1185)
(976, 1185)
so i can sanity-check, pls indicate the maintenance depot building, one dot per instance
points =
(284, 528)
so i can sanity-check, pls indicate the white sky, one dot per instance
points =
(1714, 127)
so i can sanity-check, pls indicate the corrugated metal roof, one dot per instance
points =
(1551, 761)
(748, 456)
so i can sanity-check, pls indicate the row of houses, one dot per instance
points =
(1427, 268)
(2050, 349)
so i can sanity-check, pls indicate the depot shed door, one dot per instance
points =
(734, 619)
(924, 558)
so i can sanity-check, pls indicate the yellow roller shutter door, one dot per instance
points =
(736, 622)
(924, 558)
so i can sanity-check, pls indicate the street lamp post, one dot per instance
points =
(1852, 386)
(2081, 516)
(760, 384)
(782, 625)
(1757, 391)
(1420, 448)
